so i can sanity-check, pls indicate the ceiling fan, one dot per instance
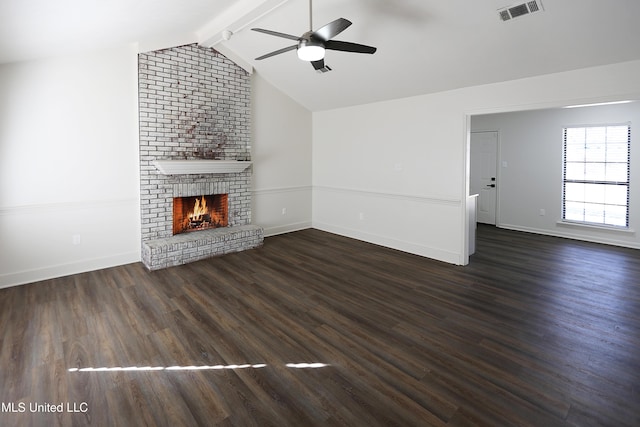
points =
(311, 45)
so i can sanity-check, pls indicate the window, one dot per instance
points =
(596, 175)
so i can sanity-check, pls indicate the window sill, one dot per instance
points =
(597, 227)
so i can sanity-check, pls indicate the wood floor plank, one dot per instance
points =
(534, 331)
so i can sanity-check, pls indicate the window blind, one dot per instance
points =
(596, 174)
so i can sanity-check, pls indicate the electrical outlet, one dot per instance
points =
(361, 216)
(284, 211)
(543, 212)
(75, 239)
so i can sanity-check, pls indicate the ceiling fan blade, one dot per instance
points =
(332, 29)
(318, 65)
(277, 34)
(348, 47)
(277, 52)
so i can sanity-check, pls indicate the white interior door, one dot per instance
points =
(483, 174)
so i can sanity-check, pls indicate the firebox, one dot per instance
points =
(200, 213)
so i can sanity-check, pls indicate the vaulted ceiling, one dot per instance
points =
(424, 46)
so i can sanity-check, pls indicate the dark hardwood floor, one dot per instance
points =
(536, 331)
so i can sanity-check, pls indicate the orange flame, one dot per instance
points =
(199, 209)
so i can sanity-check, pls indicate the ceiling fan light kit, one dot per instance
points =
(309, 50)
(311, 45)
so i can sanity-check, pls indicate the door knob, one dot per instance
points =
(491, 185)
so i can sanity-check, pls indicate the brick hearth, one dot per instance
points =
(184, 248)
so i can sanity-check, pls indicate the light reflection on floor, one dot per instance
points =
(306, 365)
(195, 368)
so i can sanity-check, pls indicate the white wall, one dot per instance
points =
(531, 144)
(69, 161)
(384, 173)
(281, 155)
(403, 163)
(68, 165)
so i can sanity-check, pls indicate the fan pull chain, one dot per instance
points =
(310, 15)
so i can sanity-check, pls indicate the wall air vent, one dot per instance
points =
(517, 10)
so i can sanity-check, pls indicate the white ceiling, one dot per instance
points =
(424, 46)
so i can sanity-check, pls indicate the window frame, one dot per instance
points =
(604, 182)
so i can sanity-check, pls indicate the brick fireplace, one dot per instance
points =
(194, 108)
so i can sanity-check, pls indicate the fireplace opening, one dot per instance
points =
(200, 213)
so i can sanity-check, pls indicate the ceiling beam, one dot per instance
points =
(240, 15)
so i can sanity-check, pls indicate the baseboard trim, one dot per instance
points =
(55, 271)
(389, 242)
(287, 228)
(573, 236)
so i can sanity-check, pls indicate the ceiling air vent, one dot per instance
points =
(515, 11)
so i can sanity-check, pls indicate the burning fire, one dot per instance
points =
(199, 209)
(199, 213)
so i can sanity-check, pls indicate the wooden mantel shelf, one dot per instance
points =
(185, 167)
